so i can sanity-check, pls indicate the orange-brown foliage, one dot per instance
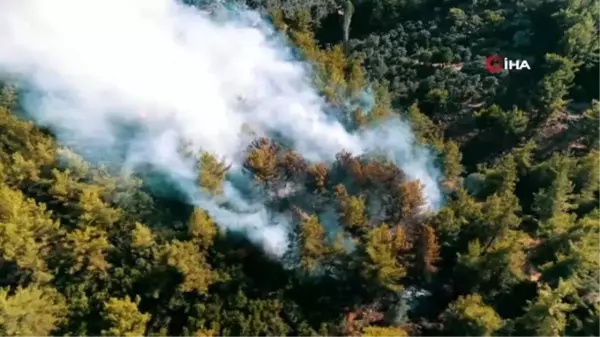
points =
(262, 160)
(318, 176)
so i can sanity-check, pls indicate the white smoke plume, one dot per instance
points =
(178, 73)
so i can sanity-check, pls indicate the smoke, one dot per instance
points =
(170, 72)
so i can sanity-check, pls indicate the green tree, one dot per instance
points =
(590, 125)
(560, 73)
(547, 314)
(27, 234)
(141, 237)
(424, 129)
(373, 331)
(212, 173)
(201, 228)
(499, 217)
(495, 270)
(586, 177)
(452, 164)
(187, 258)
(470, 316)
(8, 96)
(380, 264)
(312, 243)
(353, 214)
(85, 251)
(579, 19)
(31, 311)
(503, 123)
(556, 199)
(123, 318)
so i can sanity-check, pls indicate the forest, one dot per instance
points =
(513, 251)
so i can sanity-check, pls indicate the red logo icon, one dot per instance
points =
(494, 64)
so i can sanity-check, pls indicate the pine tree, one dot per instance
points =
(317, 175)
(262, 160)
(470, 316)
(579, 23)
(380, 264)
(555, 200)
(424, 129)
(201, 228)
(547, 314)
(356, 78)
(428, 252)
(412, 200)
(590, 125)
(85, 251)
(586, 177)
(26, 234)
(123, 318)
(353, 214)
(555, 85)
(141, 237)
(312, 243)
(187, 258)
(31, 311)
(499, 217)
(212, 173)
(452, 166)
(376, 331)
(383, 103)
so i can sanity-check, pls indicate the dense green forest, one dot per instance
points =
(513, 251)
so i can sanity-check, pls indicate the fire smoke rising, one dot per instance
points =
(177, 73)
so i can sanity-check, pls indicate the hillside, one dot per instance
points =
(394, 188)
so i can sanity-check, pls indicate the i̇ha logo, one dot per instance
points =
(497, 63)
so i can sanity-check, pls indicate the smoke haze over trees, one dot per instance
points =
(298, 168)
